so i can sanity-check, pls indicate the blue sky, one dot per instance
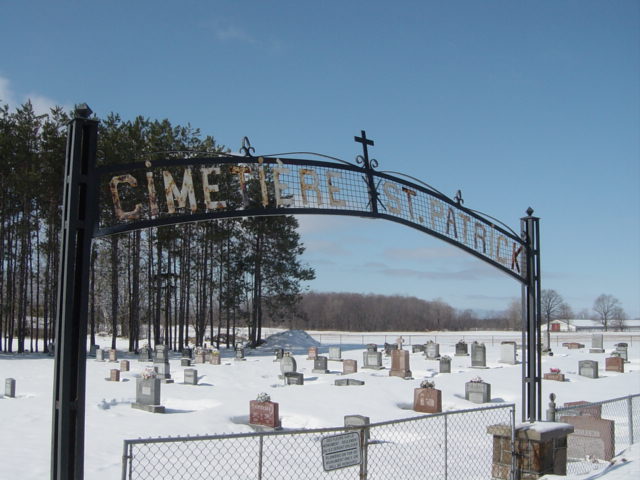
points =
(517, 104)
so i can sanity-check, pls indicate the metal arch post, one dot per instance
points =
(78, 218)
(531, 289)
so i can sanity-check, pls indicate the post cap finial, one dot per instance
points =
(83, 111)
(529, 211)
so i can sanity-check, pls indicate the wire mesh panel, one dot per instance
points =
(449, 445)
(601, 431)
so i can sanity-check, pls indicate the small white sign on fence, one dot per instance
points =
(340, 451)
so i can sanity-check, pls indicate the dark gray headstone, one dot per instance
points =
(462, 348)
(372, 347)
(144, 354)
(148, 395)
(185, 362)
(294, 378)
(239, 354)
(161, 354)
(279, 353)
(320, 365)
(478, 355)
(345, 382)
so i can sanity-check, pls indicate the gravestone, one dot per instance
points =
(160, 354)
(148, 395)
(358, 421)
(144, 354)
(312, 353)
(478, 355)
(596, 343)
(113, 355)
(477, 392)
(427, 400)
(371, 347)
(573, 345)
(400, 364)
(508, 353)
(432, 350)
(186, 362)
(584, 408)
(288, 364)
(51, 349)
(445, 364)
(200, 357)
(163, 372)
(279, 353)
(335, 354)
(588, 368)
(294, 378)
(239, 354)
(346, 382)
(555, 375)
(461, 349)
(389, 347)
(264, 414)
(114, 375)
(593, 437)
(372, 360)
(10, 388)
(349, 366)
(621, 349)
(191, 376)
(215, 358)
(92, 350)
(320, 365)
(417, 348)
(187, 352)
(546, 348)
(614, 364)
(99, 355)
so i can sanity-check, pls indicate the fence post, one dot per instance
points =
(630, 413)
(364, 443)
(514, 463)
(260, 457)
(446, 447)
(127, 458)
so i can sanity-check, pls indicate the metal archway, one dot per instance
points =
(103, 201)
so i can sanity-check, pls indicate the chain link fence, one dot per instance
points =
(601, 430)
(439, 446)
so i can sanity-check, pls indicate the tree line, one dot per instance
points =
(157, 285)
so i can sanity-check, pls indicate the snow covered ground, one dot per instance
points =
(223, 394)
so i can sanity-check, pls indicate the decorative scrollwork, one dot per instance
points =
(360, 160)
(246, 148)
(458, 198)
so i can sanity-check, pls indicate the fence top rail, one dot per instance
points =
(601, 402)
(196, 438)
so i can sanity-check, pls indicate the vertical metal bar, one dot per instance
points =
(446, 447)
(260, 442)
(125, 460)
(532, 392)
(364, 439)
(514, 465)
(630, 414)
(78, 217)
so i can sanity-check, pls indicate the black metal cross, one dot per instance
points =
(364, 141)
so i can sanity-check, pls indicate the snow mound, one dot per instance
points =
(297, 341)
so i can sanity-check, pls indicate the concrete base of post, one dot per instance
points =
(540, 449)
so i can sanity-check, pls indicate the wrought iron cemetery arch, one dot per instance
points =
(101, 201)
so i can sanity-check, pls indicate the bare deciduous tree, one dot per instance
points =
(606, 306)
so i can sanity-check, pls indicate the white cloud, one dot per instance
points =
(6, 95)
(41, 104)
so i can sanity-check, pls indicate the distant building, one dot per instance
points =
(585, 325)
